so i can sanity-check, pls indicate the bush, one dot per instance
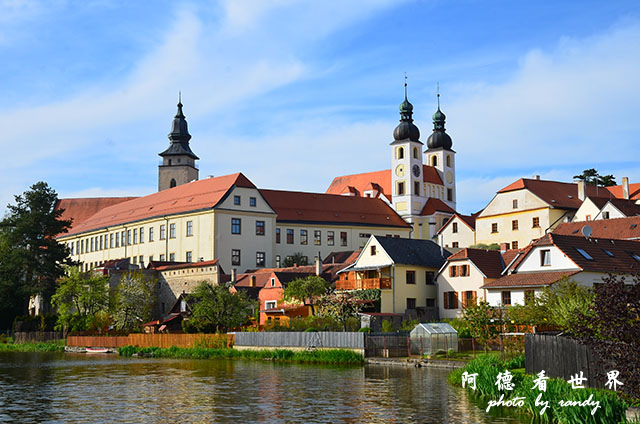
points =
(364, 330)
(387, 326)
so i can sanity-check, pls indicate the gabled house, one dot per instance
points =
(402, 269)
(459, 231)
(555, 257)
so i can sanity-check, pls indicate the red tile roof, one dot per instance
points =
(203, 194)
(79, 209)
(434, 205)
(490, 262)
(380, 180)
(634, 191)
(346, 257)
(186, 265)
(529, 279)
(617, 228)
(555, 193)
(469, 220)
(300, 207)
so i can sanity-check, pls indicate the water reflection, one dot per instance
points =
(81, 388)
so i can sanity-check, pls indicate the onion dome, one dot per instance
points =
(406, 129)
(439, 139)
(179, 136)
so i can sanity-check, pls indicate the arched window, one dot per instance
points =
(400, 153)
(434, 160)
(415, 153)
(449, 161)
(172, 183)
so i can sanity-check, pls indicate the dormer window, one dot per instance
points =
(545, 257)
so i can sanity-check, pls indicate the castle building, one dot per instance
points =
(422, 189)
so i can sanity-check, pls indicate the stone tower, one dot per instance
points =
(178, 161)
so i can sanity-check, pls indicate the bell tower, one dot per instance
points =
(178, 161)
(441, 156)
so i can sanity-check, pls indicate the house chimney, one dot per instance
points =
(504, 247)
(233, 275)
(536, 177)
(318, 265)
(252, 281)
(625, 188)
(581, 190)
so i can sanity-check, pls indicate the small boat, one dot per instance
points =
(96, 350)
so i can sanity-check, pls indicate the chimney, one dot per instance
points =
(233, 275)
(625, 188)
(318, 265)
(252, 281)
(581, 190)
(504, 247)
(536, 177)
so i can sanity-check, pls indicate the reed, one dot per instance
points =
(33, 347)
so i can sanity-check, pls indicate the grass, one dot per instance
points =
(33, 347)
(612, 407)
(329, 356)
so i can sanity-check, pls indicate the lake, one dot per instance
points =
(64, 387)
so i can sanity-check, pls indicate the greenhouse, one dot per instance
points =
(433, 337)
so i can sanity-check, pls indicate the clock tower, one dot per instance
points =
(408, 196)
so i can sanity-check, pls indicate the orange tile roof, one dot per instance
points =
(379, 180)
(529, 279)
(197, 195)
(434, 205)
(555, 193)
(300, 207)
(634, 191)
(617, 228)
(488, 261)
(79, 209)
(184, 265)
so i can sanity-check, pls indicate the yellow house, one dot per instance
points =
(403, 269)
(458, 232)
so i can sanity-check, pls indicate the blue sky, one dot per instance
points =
(293, 93)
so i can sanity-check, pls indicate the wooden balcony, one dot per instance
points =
(364, 283)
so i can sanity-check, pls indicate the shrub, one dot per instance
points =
(365, 330)
(387, 326)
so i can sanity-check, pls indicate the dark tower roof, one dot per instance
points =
(179, 137)
(439, 139)
(406, 129)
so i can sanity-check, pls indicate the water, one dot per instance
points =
(44, 387)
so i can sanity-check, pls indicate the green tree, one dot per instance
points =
(492, 246)
(564, 304)
(296, 259)
(133, 301)
(591, 176)
(215, 309)
(480, 320)
(307, 290)
(80, 298)
(340, 306)
(34, 259)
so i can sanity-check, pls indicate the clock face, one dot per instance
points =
(416, 170)
(449, 177)
(400, 170)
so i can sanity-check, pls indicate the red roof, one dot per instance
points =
(555, 193)
(634, 191)
(196, 195)
(295, 206)
(379, 180)
(529, 279)
(434, 205)
(186, 265)
(469, 220)
(627, 207)
(617, 228)
(490, 262)
(79, 209)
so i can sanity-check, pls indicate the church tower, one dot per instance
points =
(440, 155)
(408, 196)
(178, 161)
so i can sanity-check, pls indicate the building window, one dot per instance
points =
(494, 227)
(453, 271)
(162, 257)
(172, 231)
(430, 278)
(416, 188)
(252, 202)
(91, 245)
(259, 228)
(430, 302)
(172, 183)
(400, 153)
(449, 161)
(260, 259)
(514, 225)
(235, 226)
(373, 250)
(189, 228)
(135, 236)
(411, 277)
(101, 242)
(150, 258)
(150, 234)
(235, 257)
(163, 232)
(141, 260)
(236, 200)
(110, 241)
(411, 303)
(270, 304)
(400, 189)
(545, 257)
(117, 239)
(272, 282)
(330, 238)
(450, 194)
(464, 270)
(515, 203)
(317, 237)
(514, 244)
(278, 261)
(415, 153)
(535, 222)
(343, 238)
(128, 237)
(434, 160)
(303, 237)
(172, 257)
(588, 217)
(454, 227)
(189, 257)
(134, 260)
(469, 299)
(141, 234)
(506, 297)
(450, 299)
(455, 244)
(289, 236)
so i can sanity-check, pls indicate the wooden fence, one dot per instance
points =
(562, 357)
(323, 339)
(154, 340)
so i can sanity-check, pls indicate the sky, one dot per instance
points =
(293, 93)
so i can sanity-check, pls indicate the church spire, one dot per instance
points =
(406, 129)
(179, 135)
(439, 138)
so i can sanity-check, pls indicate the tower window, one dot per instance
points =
(400, 153)
(434, 160)
(416, 187)
(450, 195)
(449, 161)
(400, 189)
(173, 181)
(169, 161)
(415, 153)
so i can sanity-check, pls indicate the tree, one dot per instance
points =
(296, 259)
(215, 309)
(133, 301)
(12, 291)
(307, 290)
(80, 298)
(36, 260)
(340, 306)
(480, 320)
(492, 246)
(591, 176)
